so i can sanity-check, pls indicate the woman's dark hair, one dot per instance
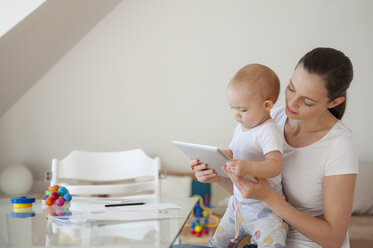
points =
(336, 70)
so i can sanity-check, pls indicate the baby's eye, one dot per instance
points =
(243, 110)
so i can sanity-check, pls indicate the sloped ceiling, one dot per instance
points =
(35, 44)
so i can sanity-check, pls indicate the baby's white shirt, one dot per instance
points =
(254, 143)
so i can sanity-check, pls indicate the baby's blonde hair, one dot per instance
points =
(258, 77)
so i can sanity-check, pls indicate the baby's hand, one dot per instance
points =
(239, 167)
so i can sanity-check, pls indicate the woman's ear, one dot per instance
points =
(336, 102)
(268, 104)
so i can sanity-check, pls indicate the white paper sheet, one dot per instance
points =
(129, 216)
(146, 207)
(98, 213)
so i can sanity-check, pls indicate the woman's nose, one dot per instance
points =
(293, 103)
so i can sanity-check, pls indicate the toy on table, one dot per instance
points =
(57, 195)
(201, 211)
(22, 207)
(56, 201)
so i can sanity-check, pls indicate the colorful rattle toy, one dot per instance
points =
(58, 195)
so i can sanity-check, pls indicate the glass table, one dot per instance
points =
(40, 231)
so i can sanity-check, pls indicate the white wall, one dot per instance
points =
(13, 11)
(153, 71)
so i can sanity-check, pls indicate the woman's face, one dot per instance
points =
(306, 95)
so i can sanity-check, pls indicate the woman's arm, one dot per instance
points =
(327, 232)
(227, 184)
(331, 230)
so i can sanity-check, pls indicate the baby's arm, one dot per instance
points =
(270, 167)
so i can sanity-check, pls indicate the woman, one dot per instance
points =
(320, 156)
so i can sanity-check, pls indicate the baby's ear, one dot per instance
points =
(268, 104)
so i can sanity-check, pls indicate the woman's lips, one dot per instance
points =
(291, 111)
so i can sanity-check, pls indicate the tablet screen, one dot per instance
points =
(212, 156)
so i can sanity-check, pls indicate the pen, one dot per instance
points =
(124, 204)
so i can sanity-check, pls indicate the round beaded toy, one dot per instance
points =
(58, 195)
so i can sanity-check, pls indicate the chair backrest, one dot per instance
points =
(102, 173)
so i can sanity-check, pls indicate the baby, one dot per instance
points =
(256, 149)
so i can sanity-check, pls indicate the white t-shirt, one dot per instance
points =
(253, 144)
(304, 170)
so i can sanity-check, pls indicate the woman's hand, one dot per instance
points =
(203, 174)
(259, 191)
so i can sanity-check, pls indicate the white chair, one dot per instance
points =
(121, 173)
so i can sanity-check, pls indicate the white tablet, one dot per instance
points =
(212, 156)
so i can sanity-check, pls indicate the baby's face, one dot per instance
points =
(248, 106)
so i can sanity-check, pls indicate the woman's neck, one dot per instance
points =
(322, 122)
(302, 133)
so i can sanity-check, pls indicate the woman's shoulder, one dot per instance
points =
(341, 133)
(343, 153)
(338, 136)
(341, 127)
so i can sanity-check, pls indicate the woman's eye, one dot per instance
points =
(291, 89)
(308, 104)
